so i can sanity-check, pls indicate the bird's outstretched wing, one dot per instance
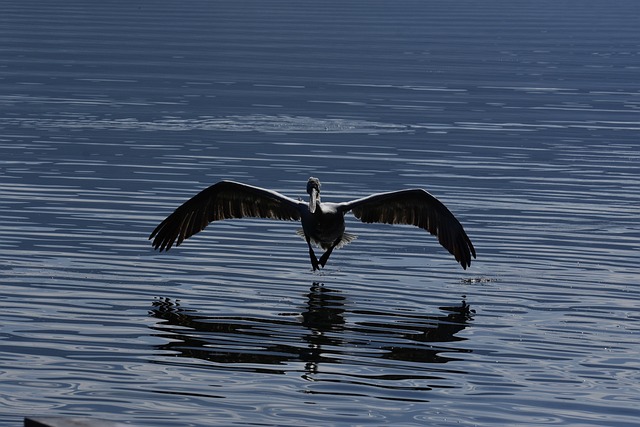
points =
(223, 200)
(419, 208)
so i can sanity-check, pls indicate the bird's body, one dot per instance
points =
(323, 224)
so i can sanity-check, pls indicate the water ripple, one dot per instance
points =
(257, 123)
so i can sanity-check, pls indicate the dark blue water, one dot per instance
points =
(523, 117)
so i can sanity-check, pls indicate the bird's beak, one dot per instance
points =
(313, 200)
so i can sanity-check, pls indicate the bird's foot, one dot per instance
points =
(323, 259)
(325, 256)
(314, 263)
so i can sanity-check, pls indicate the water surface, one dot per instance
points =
(522, 118)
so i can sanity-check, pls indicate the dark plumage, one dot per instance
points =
(322, 223)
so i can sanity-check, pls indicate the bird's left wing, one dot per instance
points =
(223, 200)
(416, 207)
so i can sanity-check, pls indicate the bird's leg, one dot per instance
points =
(325, 256)
(312, 255)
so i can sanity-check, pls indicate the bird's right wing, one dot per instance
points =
(223, 200)
(416, 207)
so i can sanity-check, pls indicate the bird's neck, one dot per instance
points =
(318, 209)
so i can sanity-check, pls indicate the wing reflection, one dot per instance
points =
(319, 334)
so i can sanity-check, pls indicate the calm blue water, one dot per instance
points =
(523, 117)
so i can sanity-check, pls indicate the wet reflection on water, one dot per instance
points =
(321, 334)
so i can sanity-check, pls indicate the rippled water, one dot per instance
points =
(522, 117)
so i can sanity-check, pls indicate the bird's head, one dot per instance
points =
(313, 188)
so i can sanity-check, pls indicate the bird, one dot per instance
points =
(323, 224)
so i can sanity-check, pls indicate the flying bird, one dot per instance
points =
(322, 223)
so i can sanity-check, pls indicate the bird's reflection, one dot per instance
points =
(324, 318)
(320, 333)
